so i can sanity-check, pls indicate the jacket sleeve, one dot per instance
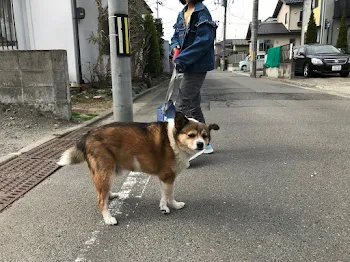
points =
(175, 39)
(206, 33)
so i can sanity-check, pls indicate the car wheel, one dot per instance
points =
(306, 71)
(344, 74)
(244, 68)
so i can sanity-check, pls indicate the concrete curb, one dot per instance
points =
(108, 113)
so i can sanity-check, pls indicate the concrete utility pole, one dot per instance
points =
(224, 4)
(157, 8)
(254, 44)
(120, 60)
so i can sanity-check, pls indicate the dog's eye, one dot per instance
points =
(191, 135)
(204, 136)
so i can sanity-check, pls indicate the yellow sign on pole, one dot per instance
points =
(122, 30)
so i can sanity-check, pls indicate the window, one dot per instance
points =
(286, 18)
(301, 50)
(314, 3)
(301, 16)
(7, 26)
(265, 45)
(322, 49)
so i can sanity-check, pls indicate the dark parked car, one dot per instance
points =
(321, 59)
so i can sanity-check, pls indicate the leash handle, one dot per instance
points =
(176, 53)
(171, 88)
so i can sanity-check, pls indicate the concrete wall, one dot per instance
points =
(285, 70)
(38, 78)
(166, 63)
(46, 25)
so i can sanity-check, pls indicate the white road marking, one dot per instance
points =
(115, 206)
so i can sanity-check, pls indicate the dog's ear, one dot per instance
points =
(180, 120)
(213, 127)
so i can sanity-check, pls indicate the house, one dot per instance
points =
(284, 27)
(232, 46)
(328, 14)
(52, 24)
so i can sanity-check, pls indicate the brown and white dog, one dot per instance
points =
(161, 148)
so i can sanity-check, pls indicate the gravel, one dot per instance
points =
(22, 125)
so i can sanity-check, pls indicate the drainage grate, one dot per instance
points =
(51, 150)
(77, 134)
(20, 175)
(26, 171)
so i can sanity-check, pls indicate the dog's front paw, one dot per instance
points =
(176, 205)
(165, 210)
(110, 221)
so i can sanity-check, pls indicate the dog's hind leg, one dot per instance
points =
(118, 172)
(102, 180)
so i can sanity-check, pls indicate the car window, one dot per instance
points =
(322, 49)
(301, 50)
(261, 57)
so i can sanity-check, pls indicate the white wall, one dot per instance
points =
(295, 17)
(293, 12)
(45, 25)
(87, 27)
(285, 9)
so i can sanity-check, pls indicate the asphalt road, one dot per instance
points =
(276, 189)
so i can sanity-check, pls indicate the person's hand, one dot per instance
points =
(174, 49)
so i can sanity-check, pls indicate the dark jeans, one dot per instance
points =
(189, 98)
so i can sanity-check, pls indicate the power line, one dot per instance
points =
(169, 8)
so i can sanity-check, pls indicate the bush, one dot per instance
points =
(159, 26)
(152, 55)
(342, 41)
(311, 33)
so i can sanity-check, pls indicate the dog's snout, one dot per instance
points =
(200, 145)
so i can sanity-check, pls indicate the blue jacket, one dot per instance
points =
(196, 42)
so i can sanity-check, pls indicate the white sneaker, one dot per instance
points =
(208, 149)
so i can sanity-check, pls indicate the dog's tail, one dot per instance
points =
(74, 155)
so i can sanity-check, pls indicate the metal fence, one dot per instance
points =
(236, 58)
(8, 37)
(286, 53)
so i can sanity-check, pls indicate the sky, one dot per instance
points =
(239, 14)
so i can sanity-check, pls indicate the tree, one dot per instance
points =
(160, 31)
(152, 57)
(342, 41)
(311, 33)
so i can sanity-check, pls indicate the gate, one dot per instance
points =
(8, 37)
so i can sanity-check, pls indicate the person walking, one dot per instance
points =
(194, 35)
